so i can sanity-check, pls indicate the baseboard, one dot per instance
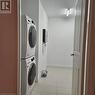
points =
(61, 66)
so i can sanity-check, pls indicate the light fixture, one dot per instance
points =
(68, 12)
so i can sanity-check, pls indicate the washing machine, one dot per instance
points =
(28, 75)
(28, 37)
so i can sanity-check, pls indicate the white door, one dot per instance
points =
(78, 47)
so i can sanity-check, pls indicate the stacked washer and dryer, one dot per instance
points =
(28, 64)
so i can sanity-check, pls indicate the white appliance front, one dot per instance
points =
(28, 37)
(28, 75)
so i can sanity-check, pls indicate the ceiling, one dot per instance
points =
(53, 8)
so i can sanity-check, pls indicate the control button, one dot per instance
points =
(28, 20)
(32, 59)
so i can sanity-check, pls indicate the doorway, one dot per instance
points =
(60, 45)
(60, 54)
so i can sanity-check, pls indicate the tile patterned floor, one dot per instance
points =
(58, 82)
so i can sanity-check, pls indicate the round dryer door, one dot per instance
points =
(32, 74)
(32, 36)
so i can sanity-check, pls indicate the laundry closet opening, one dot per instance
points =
(54, 50)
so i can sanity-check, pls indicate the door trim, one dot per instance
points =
(18, 64)
(85, 2)
(90, 62)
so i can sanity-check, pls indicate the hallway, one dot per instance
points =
(58, 82)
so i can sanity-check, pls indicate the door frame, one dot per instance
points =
(84, 51)
(90, 60)
(19, 51)
(84, 26)
(86, 85)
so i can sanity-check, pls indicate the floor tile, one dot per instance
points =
(57, 82)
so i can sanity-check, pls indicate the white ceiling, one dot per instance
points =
(54, 7)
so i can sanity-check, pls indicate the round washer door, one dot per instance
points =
(32, 74)
(32, 36)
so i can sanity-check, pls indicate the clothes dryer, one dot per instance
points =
(28, 37)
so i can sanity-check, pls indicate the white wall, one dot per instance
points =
(42, 49)
(60, 42)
